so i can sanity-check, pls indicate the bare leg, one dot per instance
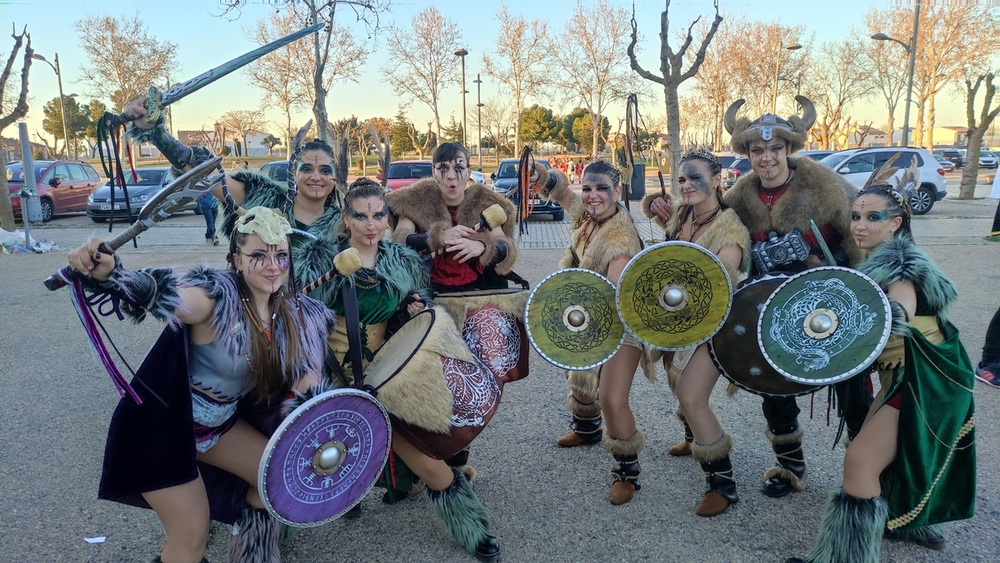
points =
(239, 451)
(693, 392)
(616, 382)
(434, 472)
(183, 510)
(870, 453)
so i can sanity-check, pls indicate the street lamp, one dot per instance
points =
(479, 120)
(911, 49)
(62, 101)
(777, 67)
(460, 53)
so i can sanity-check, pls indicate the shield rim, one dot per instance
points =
(872, 356)
(288, 421)
(703, 250)
(531, 338)
(729, 377)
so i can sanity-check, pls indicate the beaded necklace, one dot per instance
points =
(367, 278)
(253, 319)
(596, 224)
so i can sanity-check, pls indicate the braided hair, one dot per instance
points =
(361, 188)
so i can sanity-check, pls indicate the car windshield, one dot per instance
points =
(834, 159)
(400, 170)
(15, 174)
(146, 178)
(507, 169)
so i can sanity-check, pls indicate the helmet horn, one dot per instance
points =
(808, 112)
(730, 120)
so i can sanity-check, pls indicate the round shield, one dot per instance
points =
(824, 325)
(571, 319)
(674, 295)
(738, 358)
(324, 457)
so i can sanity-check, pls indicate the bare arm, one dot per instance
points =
(616, 267)
(904, 293)
(731, 257)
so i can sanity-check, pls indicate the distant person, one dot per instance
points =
(995, 194)
(988, 368)
(245, 167)
(209, 207)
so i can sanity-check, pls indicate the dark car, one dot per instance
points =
(148, 183)
(63, 186)
(505, 181)
(741, 166)
(277, 171)
(953, 156)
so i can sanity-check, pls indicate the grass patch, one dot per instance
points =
(995, 237)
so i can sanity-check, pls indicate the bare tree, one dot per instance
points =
(243, 122)
(833, 84)
(886, 63)
(10, 114)
(671, 76)
(335, 55)
(422, 59)
(123, 58)
(522, 50)
(498, 120)
(421, 141)
(977, 128)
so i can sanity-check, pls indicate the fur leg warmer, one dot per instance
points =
(715, 462)
(464, 515)
(626, 475)
(586, 423)
(256, 538)
(790, 472)
(583, 382)
(851, 530)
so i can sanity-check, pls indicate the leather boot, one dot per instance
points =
(586, 424)
(851, 530)
(626, 475)
(465, 518)
(714, 459)
(789, 474)
(683, 447)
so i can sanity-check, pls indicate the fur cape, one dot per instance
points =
(423, 204)
(618, 237)
(816, 192)
(310, 258)
(899, 259)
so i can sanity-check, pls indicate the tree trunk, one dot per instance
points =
(970, 172)
(672, 105)
(917, 140)
(931, 115)
(890, 126)
(6, 211)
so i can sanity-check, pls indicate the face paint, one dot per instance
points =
(598, 195)
(368, 221)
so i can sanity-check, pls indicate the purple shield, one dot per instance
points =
(324, 457)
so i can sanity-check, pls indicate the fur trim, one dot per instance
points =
(616, 238)
(797, 483)
(423, 204)
(506, 265)
(419, 393)
(680, 415)
(815, 192)
(149, 290)
(715, 451)
(557, 192)
(584, 381)
(256, 538)
(900, 259)
(462, 512)
(851, 529)
(298, 399)
(647, 208)
(458, 307)
(725, 230)
(435, 236)
(781, 439)
(632, 446)
(583, 410)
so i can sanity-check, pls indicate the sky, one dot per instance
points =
(206, 40)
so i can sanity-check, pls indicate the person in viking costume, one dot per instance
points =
(703, 218)
(776, 201)
(392, 284)
(603, 240)
(309, 198)
(912, 467)
(188, 451)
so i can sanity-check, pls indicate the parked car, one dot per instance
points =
(148, 183)
(944, 162)
(740, 166)
(987, 159)
(858, 165)
(63, 185)
(815, 155)
(477, 177)
(505, 181)
(403, 173)
(277, 171)
(954, 156)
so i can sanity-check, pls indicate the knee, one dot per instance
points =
(691, 402)
(856, 466)
(188, 541)
(612, 405)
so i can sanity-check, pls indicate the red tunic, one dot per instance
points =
(448, 272)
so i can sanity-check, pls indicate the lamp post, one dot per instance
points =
(460, 53)
(479, 120)
(62, 101)
(911, 49)
(777, 68)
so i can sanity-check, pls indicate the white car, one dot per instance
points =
(856, 166)
(477, 177)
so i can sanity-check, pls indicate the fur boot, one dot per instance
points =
(256, 538)
(714, 459)
(586, 424)
(683, 447)
(790, 472)
(626, 475)
(465, 518)
(851, 530)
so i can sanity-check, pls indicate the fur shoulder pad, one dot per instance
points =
(901, 260)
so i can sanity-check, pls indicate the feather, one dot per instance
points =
(881, 175)
(382, 149)
(908, 182)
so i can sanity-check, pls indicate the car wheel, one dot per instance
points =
(922, 201)
(46, 210)
(558, 215)
(100, 219)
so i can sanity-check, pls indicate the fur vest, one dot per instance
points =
(816, 192)
(618, 237)
(725, 230)
(898, 260)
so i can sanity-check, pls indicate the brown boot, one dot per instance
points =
(681, 448)
(626, 475)
(714, 459)
(621, 492)
(586, 424)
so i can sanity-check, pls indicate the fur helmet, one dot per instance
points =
(795, 130)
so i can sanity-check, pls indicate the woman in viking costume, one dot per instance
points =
(188, 452)
(603, 240)
(392, 284)
(703, 218)
(913, 465)
(309, 197)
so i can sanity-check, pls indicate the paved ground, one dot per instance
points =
(546, 503)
